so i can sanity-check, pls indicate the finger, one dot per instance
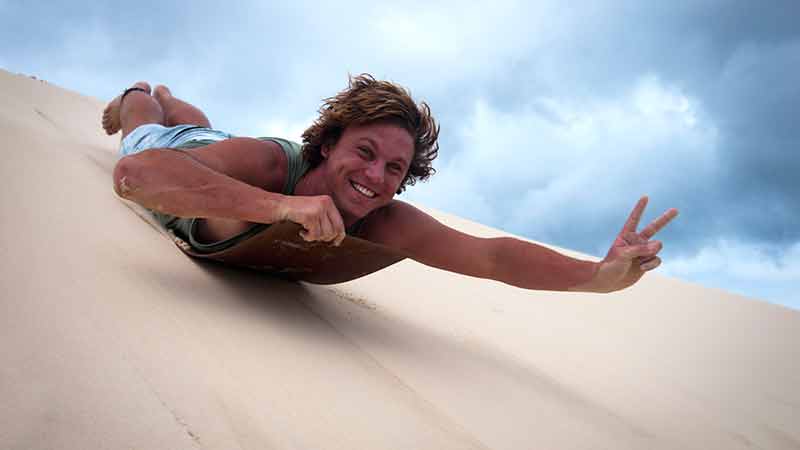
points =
(304, 230)
(318, 229)
(307, 236)
(638, 251)
(326, 229)
(312, 230)
(646, 259)
(636, 215)
(656, 225)
(650, 264)
(631, 238)
(338, 225)
(340, 237)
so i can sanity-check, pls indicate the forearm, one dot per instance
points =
(174, 183)
(532, 266)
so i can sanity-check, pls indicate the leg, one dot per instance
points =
(138, 108)
(177, 111)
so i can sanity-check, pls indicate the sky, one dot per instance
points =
(555, 117)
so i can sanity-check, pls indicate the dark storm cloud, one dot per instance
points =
(738, 59)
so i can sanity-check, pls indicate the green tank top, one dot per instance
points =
(184, 228)
(296, 168)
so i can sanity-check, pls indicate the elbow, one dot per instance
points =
(126, 177)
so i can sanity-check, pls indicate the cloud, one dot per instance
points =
(554, 120)
(565, 168)
(464, 36)
(755, 270)
(277, 127)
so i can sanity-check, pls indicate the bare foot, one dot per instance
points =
(111, 122)
(161, 92)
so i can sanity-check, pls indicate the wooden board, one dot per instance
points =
(280, 250)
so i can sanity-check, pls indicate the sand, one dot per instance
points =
(110, 338)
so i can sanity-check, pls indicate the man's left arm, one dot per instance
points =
(513, 261)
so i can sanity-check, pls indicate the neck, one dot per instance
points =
(313, 183)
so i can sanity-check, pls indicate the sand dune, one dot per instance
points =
(113, 339)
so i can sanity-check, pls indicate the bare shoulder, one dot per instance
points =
(423, 238)
(399, 225)
(262, 164)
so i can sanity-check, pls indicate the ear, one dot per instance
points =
(325, 150)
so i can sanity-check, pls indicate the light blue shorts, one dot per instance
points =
(153, 135)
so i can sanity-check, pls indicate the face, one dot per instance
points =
(366, 166)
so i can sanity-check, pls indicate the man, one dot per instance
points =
(370, 141)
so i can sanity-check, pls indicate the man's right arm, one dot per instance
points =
(233, 179)
(207, 184)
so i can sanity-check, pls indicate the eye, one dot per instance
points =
(395, 169)
(365, 152)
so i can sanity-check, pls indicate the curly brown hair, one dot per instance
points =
(367, 100)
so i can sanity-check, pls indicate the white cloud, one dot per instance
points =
(278, 127)
(741, 260)
(754, 270)
(459, 32)
(656, 102)
(439, 44)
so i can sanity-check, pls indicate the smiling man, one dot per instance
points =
(370, 141)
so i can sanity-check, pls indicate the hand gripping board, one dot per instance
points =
(280, 250)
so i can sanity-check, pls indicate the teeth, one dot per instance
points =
(363, 189)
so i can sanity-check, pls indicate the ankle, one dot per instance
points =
(131, 90)
(144, 86)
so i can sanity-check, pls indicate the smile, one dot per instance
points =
(363, 190)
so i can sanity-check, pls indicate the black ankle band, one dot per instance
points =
(128, 91)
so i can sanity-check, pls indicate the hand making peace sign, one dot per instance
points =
(632, 254)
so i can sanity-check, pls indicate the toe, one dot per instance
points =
(162, 91)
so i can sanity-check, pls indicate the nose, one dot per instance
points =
(375, 172)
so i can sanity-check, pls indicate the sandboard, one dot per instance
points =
(280, 250)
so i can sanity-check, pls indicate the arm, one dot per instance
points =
(517, 262)
(227, 179)
(512, 261)
(235, 179)
(532, 266)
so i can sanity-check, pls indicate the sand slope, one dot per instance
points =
(111, 338)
